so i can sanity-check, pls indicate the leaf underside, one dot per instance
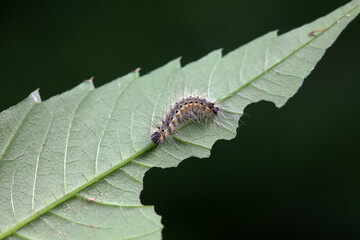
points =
(72, 166)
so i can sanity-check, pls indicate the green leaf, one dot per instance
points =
(72, 166)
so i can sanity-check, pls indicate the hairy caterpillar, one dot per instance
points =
(187, 109)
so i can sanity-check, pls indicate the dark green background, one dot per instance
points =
(292, 172)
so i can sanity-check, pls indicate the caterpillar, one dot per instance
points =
(185, 110)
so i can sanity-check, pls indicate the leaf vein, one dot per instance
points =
(68, 137)
(211, 76)
(116, 187)
(37, 162)
(77, 223)
(106, 126)
(16, 131)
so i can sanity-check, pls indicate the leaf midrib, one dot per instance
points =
(284, 59)
(73, 193)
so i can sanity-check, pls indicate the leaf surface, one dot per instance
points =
(72, 166)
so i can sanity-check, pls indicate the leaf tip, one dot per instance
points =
(35, 96)
(90, 80)
(219, 51)
(177, 61)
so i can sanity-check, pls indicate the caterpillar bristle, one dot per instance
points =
(187, 109)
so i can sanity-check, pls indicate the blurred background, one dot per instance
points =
(290, 172)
